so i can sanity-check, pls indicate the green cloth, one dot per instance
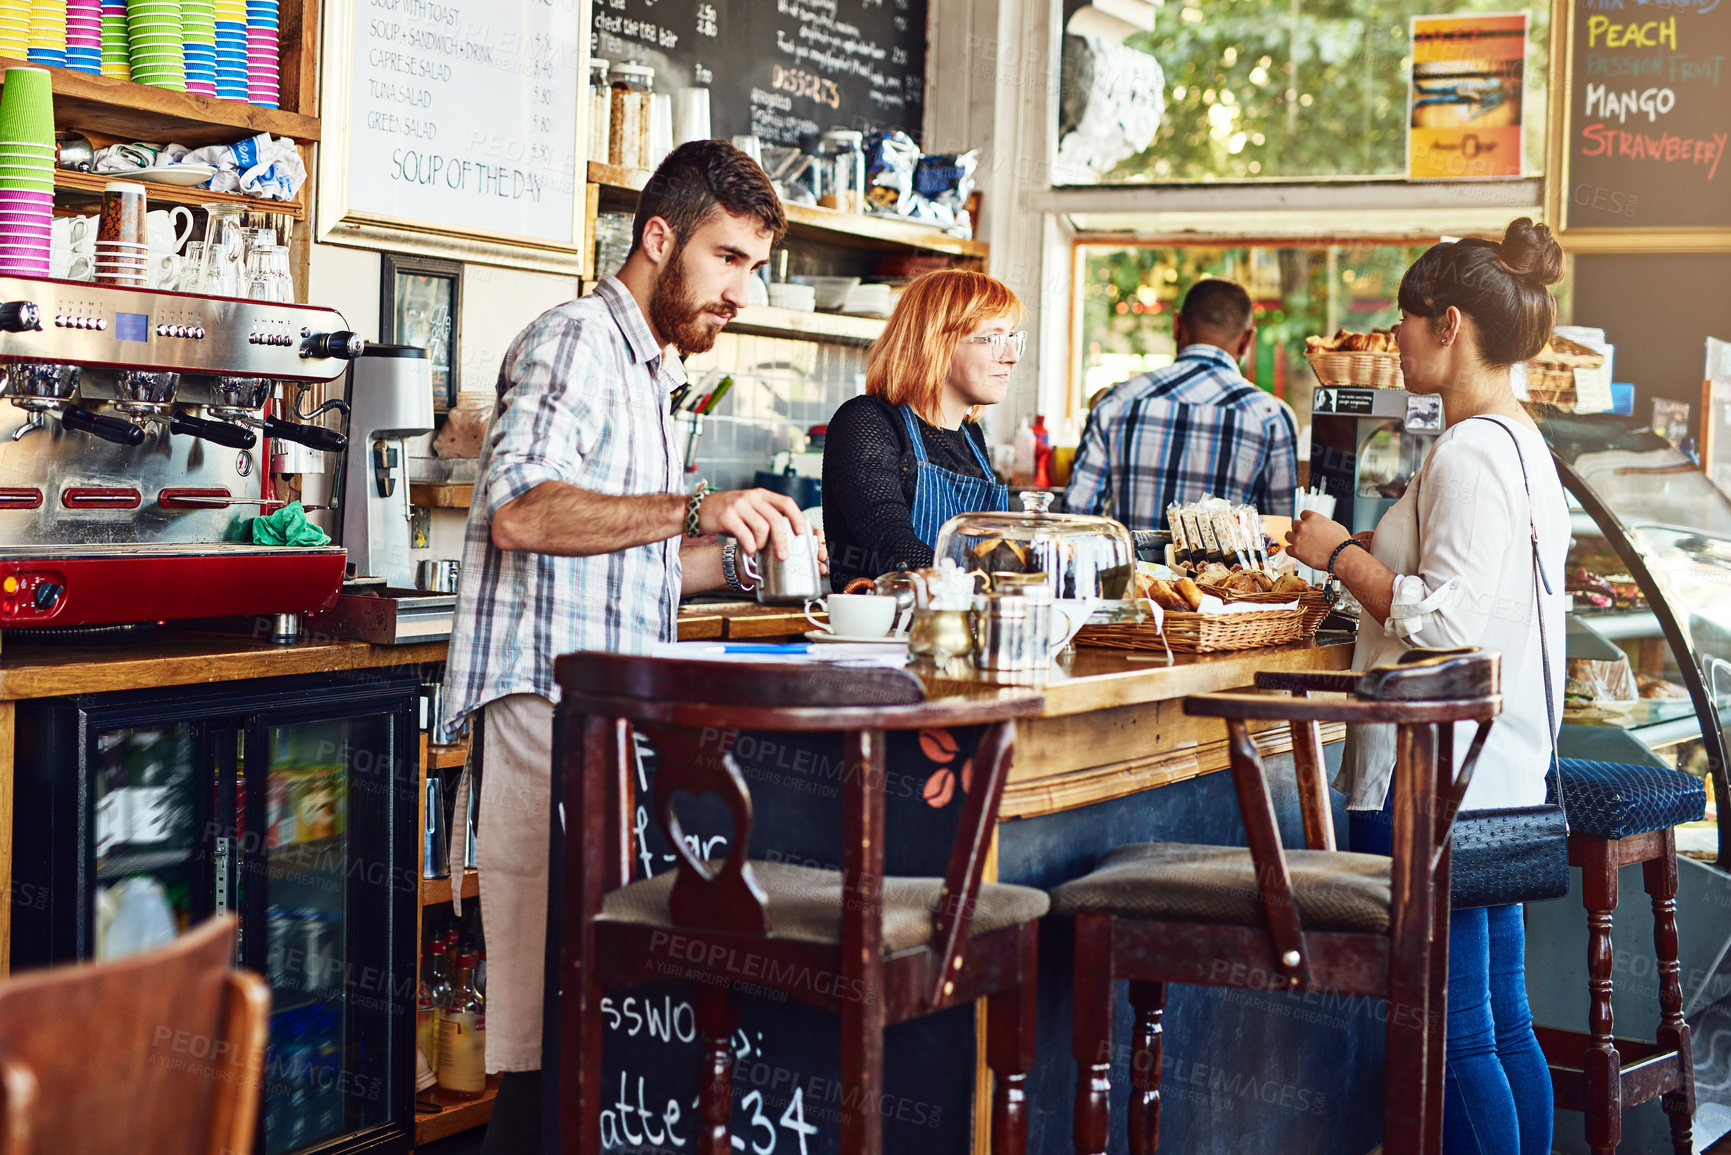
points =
(288, 526)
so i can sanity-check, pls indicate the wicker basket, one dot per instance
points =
(1194, 633)
(1551, 375)
(1375, 370)
(1314, 603)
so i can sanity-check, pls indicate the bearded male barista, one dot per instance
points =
(574, 542)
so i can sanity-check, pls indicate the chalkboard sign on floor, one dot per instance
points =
(782, 69)
(1648, 125)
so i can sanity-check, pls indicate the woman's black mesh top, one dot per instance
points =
(869, 470)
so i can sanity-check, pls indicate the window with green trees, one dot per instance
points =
(1259, 89)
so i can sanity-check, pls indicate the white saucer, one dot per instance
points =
(182, 174)
(880, 640)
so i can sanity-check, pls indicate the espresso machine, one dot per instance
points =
(132, 453)
(390, 396)
(1365, 446)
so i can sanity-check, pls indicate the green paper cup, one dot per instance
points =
(27, 106)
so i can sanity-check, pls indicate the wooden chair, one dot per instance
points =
(1620, 815)
(1263, 917)
(160, 1053)
(899, 948)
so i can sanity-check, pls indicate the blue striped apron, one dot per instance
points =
(940, 494)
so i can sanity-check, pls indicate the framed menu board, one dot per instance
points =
(452, 129)
(1641, 116)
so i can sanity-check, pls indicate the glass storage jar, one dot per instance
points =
(843, 182)
(600, 111)
(628, 130)
(1081, 557)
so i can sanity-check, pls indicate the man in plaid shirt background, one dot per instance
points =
(1195, 427)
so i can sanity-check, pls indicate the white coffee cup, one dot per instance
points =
(855, 615)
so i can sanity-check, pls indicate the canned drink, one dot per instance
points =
(281, 822)
(318, 940)
(279, 942)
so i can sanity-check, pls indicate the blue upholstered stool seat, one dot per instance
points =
(1615, 799)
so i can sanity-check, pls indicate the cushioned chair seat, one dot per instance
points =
(1334, 890)
(805, 905)
(1615, 799)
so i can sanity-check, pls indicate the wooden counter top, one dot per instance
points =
(32, 670)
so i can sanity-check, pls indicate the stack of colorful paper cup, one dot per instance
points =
(84, 35)
(48, 32)
(198, 31)
(153, 31)
(26, 172)
(15, 28)
(263, 82)
(116, 46)
(230, 49)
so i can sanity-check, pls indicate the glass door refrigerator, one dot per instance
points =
(287, 801)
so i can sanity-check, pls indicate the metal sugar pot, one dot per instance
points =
(1081, 557)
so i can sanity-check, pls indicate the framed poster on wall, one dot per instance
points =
(455, 131)
(1639, 127)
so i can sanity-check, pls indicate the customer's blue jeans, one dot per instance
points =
(1497, 1086)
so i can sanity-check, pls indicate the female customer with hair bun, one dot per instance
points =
(909, 455)
(1451, 565)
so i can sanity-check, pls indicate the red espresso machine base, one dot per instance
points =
(103, 585)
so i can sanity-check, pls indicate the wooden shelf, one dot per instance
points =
(79, 185)
(437, 890)
(442, 496)
(821, 224)
(128, 111)
(451, 1120)
(447, 757)
(837, 328)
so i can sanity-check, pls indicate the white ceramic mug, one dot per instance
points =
(855, 615)
(81, 269)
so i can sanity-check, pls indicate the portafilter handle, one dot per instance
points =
(108, 428)
(221, 432)
(342, 344)
(20, 316)
(311, 436)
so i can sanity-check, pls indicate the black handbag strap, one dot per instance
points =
(1538, 607)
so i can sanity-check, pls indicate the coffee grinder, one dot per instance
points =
(1365, 446)
(390, 394)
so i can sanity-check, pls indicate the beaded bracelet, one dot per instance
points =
(1338, 550)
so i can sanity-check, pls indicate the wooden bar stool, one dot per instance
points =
(1619, 815)
(877, 951)
(1316, 919)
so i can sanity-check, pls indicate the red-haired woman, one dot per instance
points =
(908, 455)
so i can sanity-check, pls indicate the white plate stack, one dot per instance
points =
(870, 301)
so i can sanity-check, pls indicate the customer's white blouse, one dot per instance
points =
(1458, 542)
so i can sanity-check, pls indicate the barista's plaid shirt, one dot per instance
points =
(583, 400)
(1194, 427)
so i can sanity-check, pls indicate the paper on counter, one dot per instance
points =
(863, 654)
(1213, 605)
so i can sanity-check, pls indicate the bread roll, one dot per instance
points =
(1163, 595)
(1291, 584)
(1190, 592)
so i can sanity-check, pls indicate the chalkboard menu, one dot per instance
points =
(1649, 115)
(782, 69)
(424, 151)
